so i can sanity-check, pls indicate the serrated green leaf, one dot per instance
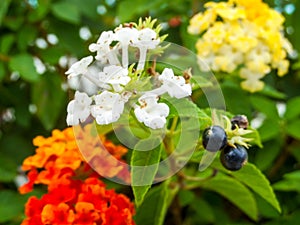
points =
(292, 108)
(49, 99)
(183, 108)
(23, 63)
(293, 129)
(257, 182)
(265, 209)
(144, 162)
(155, 206)
(66, 12)
(235, 192)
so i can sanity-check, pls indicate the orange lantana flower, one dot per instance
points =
(75, 194)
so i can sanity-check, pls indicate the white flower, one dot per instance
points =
(114, 75)
(151, 113)
(80, 67)
(103, 49)
(78, 109)
(125, 36)
(147, 39)
(108, 107)
(174, 85)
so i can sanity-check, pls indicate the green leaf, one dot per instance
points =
(15, 147)
(270, 91)
(11, 205)
(183, 108)
(293, 129)
(292, 108)
(237, 100)
(289, 183)
(204, 211)
(140, 7)
(49, 98)
(51, 54)
(186, 197)
(3, 9)
(235, 192)
(144, 162)
(66, 12)
(26, 36)
(40, 11)
(6, 42)
(265, 209)
(2, 71)
(264, 105)
(256, 180)
(23, 63)
(8, 169)
(154, 208)
(269, 129)
(266, 156)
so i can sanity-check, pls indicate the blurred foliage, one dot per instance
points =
(35, 35)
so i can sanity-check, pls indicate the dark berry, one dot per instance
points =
(240, 120)
(214, 138)
(234, 158)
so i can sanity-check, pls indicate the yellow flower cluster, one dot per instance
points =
(243, 35)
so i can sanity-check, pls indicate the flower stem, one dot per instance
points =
(112, 58)
(143, 54)
(125, 56)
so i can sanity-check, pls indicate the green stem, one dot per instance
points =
(168, 140)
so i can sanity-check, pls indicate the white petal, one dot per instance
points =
(80, 67)
(151, 113)
(114, 75)
(174, 85)
(71, 120)
(146, 38)
(109, 106)
(78, 109)
(126, 35)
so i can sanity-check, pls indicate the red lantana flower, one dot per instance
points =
(70, 200)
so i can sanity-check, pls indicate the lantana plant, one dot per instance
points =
(146, 105)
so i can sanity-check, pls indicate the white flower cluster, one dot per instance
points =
(114, 78)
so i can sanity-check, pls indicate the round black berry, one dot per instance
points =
(240, 120)
(234, 158)
(214, 138)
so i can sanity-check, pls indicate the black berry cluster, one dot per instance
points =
(214, 138)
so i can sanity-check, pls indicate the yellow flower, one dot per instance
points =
(201, 22)
(247, 36)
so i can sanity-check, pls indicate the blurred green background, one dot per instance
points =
(37, 40)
